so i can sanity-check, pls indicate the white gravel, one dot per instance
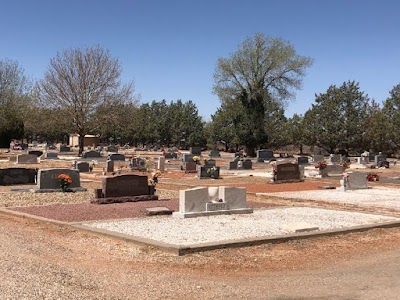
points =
(379, 197)
(261, 223)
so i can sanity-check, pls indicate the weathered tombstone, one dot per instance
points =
(161, 163)
(247, 164)
(190, 167)
(126, 185)
(90, 154)
(65, 148)
(36, 152)
(47, 179)
(301, 170)
(371, 156)
(356, 181)
(233, 165)
(116, 156)
(12, 176)
(263, 155)
(215, 153)
(208, 172)
(51, 155)
(333, 170)
(318, 158)
(335, 158)
(195, 151)
(110, 166)
(200, 202)
(27, 159)
(379, 159)
(83, 166)
(287, 172)
(302, 160)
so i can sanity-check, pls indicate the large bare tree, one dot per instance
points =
(79, 81)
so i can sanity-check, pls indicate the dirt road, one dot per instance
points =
(45, 261)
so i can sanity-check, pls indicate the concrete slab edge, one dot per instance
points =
(187, 249)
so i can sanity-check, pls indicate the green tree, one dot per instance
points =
(296, 132)
(79, 81)
(390, 118)
(262, 71)
(338, 119)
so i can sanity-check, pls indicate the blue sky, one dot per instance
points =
(170, 48)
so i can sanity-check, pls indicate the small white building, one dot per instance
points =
(89, 141)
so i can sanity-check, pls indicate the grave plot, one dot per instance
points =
(211, 232)
(379, 197)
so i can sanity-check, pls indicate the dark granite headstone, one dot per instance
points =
(126, 185)
(38, 153)
(195, 151)
(90, 153)
(47, 178)
(287, 172)
(302, 160)
(215, 153)
(116, 156)
(263, 155)
(65, 149)
(11, 176)
(247, 164)
(190, 167)
(208, 172)
(83, 166)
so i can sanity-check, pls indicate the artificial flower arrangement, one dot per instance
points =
(345, 165)
(65, 181)
(321, 165)
(154, 177)
(213, 172)
(196, 159)
(372, 177)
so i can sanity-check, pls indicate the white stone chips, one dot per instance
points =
(262, 223)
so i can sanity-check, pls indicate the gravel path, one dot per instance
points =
(229, 227)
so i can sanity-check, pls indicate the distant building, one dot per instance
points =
(89, 141)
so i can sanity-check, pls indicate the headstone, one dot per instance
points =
(364, 160)
(263, 155)
(90, 154)
(335, 158)
(65, 148)
(168, 155)
(333, 170)
(137, 163)
(302, 160)
(208, 172)
(371, 156)
(215, 153)
(27, 159)
(318, 158)
(47, 178)
(11, 176)
(110, 166)
(210, 162)
(187, 158)
(83, 166)
(247, 164)
(112, 148)
(195, 151)
(126, 185)
(36, 152)
(357, 181)
(116, 156)
(190, 167)
(287, 172)
(161, 163)
(51, 155)
(379, 159)
(199, 201)
(301, 169)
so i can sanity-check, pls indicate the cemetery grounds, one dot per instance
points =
(44, 259)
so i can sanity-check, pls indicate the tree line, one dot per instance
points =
(82, 92)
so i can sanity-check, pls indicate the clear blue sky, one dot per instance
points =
(170, 47)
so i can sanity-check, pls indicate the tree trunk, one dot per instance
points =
(251, 151)
(81, 142)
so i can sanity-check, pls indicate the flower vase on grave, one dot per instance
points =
(213, 193)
